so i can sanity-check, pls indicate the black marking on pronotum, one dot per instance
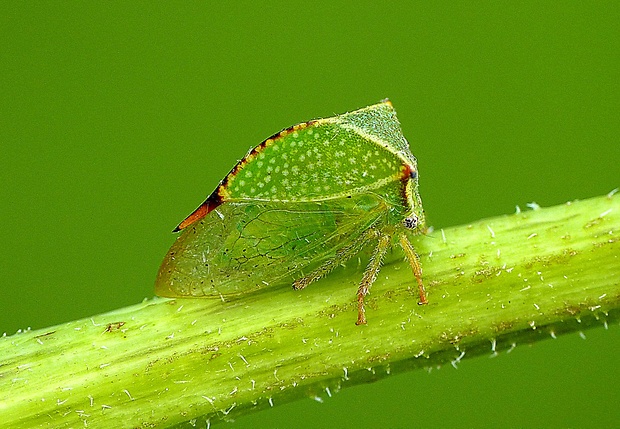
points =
(218, 197)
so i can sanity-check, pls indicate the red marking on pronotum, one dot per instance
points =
(204, 209)
(407, 173)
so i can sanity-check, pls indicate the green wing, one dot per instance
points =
(245, 246)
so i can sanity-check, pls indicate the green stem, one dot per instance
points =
(493, 283)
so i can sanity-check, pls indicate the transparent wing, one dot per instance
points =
(241, 247)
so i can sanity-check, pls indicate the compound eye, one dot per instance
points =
(410, 222)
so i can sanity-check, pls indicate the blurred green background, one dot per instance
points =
(117, 119)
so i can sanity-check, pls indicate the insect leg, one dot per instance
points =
(414, 261)
(370, 275)
(341, 257)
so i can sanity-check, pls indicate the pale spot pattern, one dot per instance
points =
(321, 161)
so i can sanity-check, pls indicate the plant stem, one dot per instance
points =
(508, 279)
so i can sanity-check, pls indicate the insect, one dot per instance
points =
(300, 204)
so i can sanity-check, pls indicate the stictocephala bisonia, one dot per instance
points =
(300, 204)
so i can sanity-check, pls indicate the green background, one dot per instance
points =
(117, 119)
